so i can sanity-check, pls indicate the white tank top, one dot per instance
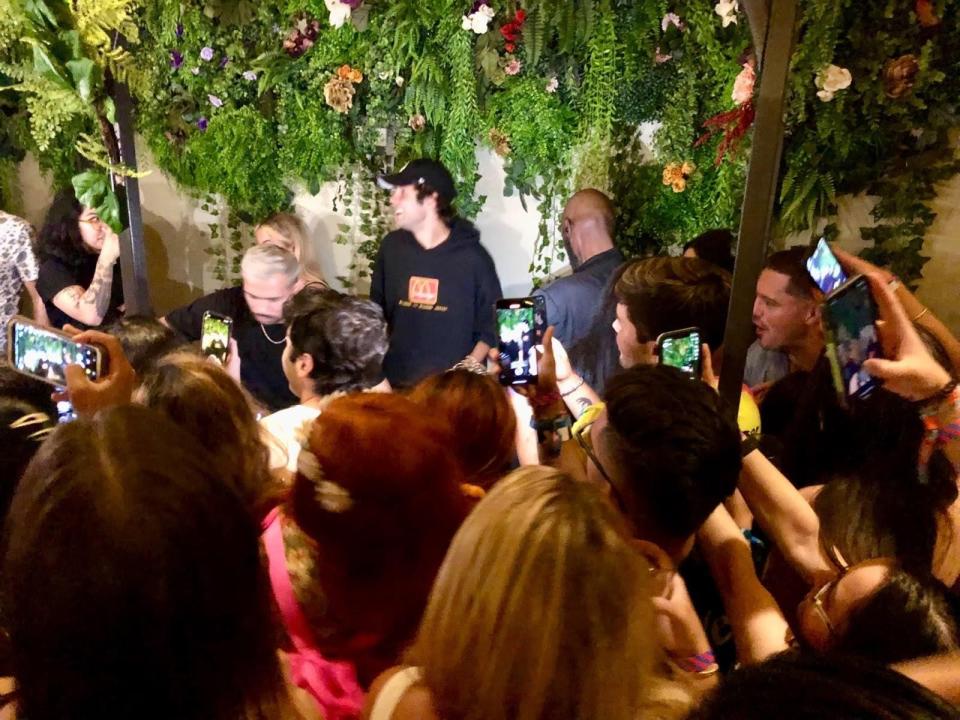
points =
(393, 690)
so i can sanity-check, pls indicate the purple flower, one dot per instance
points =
(215, 101)
(176, 59)
(206, 54)
(249, 75)
(353, 4)
(179, 31)
(477, 5)
(202, 124)
(224, 61)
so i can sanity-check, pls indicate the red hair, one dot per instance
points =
(482, 424)
(397, 505)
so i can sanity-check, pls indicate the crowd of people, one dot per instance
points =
(351, 518)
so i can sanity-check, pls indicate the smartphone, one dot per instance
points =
(44, 353)
(215, 336)
(681, 349)
(540, 317)
(850, 327)
(517, 330)
(825, 269)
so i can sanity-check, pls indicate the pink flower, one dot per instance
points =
(215, 101)
(659, 58)
(743, 86)
(671, 19)
(512, 67)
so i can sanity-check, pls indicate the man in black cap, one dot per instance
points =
(436, 283)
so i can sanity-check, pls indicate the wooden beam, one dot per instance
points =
(760, 194)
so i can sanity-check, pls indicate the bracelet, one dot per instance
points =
(560, 425)
(703, 664)
(573, 389)
(930, 405)
(894, 284)
(921, 314)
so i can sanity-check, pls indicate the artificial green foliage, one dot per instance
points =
(311, 138)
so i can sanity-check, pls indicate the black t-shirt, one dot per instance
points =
(56, 275)
(260, 346)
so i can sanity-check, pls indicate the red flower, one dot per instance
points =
(521, 16)
(509, 47)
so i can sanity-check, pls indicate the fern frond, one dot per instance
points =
(97, 21)
(92, 149)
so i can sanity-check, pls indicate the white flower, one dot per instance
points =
(727, 10)
(479, 21)
(831, 80)
(552, 85)
(400, 81)
(339, 12)
(671, 19)
(249, 75)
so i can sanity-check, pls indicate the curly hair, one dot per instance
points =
(445, 208)
(60, 236)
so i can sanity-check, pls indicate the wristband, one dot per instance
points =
(560, 425)
(573, 389)
(703, 664)
(930, 405)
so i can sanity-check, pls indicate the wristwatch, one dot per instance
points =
(560, 425)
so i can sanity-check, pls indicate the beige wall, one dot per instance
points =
(179, 268)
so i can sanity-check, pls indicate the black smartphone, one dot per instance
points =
(825, 269)
(850, 326)
(539, 318)
(44, 353)
(215, 336)
(517, 330)
(681, 349)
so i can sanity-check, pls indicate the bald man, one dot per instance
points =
(587, 232)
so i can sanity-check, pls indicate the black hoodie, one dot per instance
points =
(439, 303)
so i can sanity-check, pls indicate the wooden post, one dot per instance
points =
(761, 188)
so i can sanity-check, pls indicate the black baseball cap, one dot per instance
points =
(422, 172)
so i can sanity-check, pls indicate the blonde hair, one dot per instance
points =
(202, 398)
(540, 610)
(265, 261)
(292, 229)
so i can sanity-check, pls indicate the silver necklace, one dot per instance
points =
(270, 339)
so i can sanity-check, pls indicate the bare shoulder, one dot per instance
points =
(416, 703)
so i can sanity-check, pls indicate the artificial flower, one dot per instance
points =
(511, 30)
(215, 101)
(202, 124)
(671, 19)
(176, 59)
(399, 81)
(223, 61)
(249, 75)
(179, 31)
(831, 80)
(926, 15)
(513, 67)
(348, 73)
(499, 141)
(195, 70)
(660, 58)
(744, 84)
(900, 75)
(206, 54)
(727, 10)
(478, 20)
(339, 12)
(552, 85)
(338, 92)
(675, 175)
(417, 122)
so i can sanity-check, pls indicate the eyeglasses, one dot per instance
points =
(817, 600)
(581, 431)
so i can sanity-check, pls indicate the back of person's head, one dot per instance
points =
(152, 599)
(25, 422)
(541, 608)
(792, 262)
(345, 336)
(675, 454)
(480, 419)
(144, 340)
(290, 229)
(907, 617)
(795, 686)
(671, 293)
(262, 262)
(203, 399)
(715, 246)
(378, 489)
(595, 356)
(60, 235)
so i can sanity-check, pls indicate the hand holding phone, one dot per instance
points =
(44, 353)
(681, 349)
(215, 336)
(850, 325)
(517, 328)
(114, 386)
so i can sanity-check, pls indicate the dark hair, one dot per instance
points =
(802, 686)
(714, 246)
(346, 337)
(445, 209)
(480, 419)
(595, 356)
(154, 600)
(60, 237)
(671, 293)
(676, 452)
(907, 617)
(792, 263)
(144, 340)
(936, 348)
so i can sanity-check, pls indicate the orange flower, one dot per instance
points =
(343, 72)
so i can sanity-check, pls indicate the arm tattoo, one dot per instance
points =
(582, 404)
(98, 294)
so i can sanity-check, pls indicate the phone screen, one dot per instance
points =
(681, 350)
(517, 328)
(825, 269)
(215, 336)
(851, 318)
(45, 354)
